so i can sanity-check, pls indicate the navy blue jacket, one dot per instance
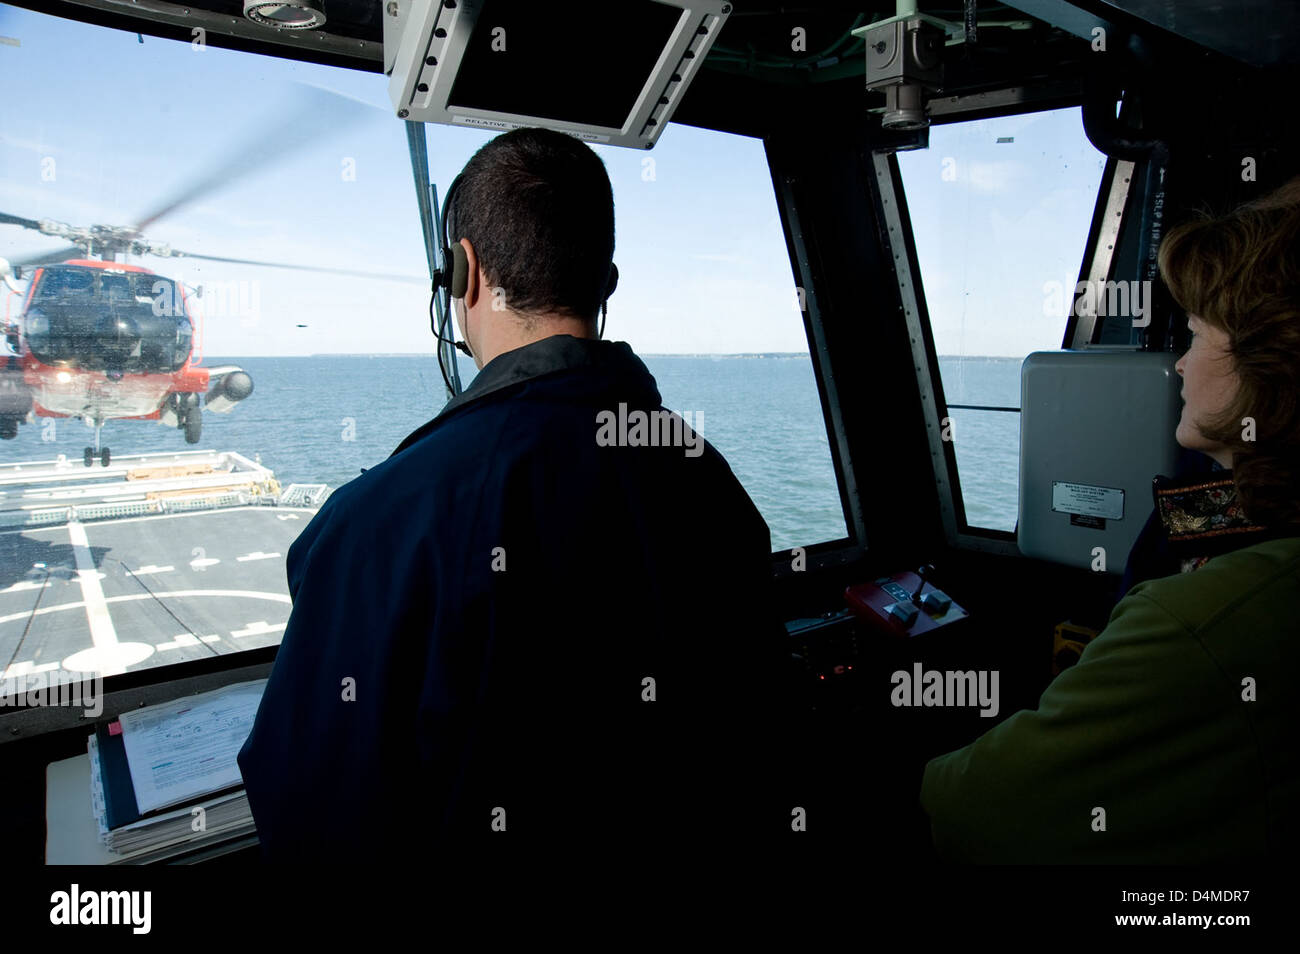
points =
(475, 621)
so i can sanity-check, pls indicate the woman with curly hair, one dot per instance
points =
(1242, 402)
(1171, 739)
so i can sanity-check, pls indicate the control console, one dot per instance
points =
(905, 604)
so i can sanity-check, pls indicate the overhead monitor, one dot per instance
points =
(604, 72)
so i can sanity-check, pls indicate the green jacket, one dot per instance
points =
(1153, 726)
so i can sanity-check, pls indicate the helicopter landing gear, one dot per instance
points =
(189, 416)
(103, 455)
(92, 452)
(8, 428)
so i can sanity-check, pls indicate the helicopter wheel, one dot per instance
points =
(104, 457)
(90, 456)
(8, 428)
(193, 425)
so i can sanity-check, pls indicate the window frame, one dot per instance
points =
(853, 546)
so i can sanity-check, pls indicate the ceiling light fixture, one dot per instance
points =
(293, 15)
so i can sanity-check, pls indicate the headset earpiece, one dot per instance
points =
(613, 280)
(459, 271)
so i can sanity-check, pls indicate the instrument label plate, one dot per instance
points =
(1088, 500)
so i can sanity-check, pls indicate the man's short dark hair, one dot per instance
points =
(538, 208)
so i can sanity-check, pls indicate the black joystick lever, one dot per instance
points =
(924, 573)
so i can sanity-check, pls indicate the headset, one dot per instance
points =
(452, 278)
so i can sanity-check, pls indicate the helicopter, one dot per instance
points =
(99, 339)
(104, 340)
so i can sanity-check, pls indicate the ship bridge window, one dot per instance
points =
(156, 482)
(189, 459)
(707, 299)
(1000, 212)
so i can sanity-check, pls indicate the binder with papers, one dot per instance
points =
(164, 779)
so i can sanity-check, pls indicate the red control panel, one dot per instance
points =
(905, 604)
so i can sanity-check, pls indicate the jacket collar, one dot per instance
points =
(1202, 517)
(548, 356)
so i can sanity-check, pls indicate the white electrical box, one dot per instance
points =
(1095, 428)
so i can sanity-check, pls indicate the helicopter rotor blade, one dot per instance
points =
(46, 258)
(355, 273)
(7, 219)
(315, 114)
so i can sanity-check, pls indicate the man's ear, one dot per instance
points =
(474, 281)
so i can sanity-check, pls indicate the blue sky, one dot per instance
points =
(703, 267)
(997, 220)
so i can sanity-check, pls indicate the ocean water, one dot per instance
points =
(321, 419)
(987, 443)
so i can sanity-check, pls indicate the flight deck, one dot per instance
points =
(151, 560)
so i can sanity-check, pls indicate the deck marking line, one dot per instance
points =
(102, 632)
(25, 585)
(257, 629)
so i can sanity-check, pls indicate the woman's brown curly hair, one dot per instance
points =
(1241, 273)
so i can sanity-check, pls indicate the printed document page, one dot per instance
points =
(183, 750)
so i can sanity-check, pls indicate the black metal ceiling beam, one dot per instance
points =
(221, 31)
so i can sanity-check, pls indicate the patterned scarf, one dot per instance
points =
(1202, 518)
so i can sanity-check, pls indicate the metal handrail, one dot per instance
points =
(982, 407)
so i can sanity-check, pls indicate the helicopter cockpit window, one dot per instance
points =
(116, 288)
(1000, 212)
(59, 282)
(158, 291)
(181, 461)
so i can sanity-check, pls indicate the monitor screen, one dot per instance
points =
(605, 72)
(526, 58)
